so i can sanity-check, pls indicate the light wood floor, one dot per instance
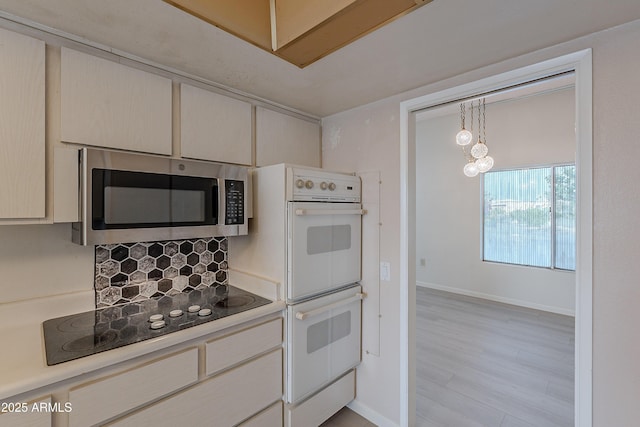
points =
(486, 364)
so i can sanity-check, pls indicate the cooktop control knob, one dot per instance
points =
(323, 185)
(299, 183)
(155, 317)
(309, 184)
(332, 186)
(175, 313)
(194, 309)
(158, 325)
(204, 312)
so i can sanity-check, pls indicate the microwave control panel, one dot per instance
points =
(234, 191)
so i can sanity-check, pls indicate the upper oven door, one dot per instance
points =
(323, 247)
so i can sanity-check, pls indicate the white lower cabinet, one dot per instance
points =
(270, 417)
(108, 397)
(224, 400)
(26, 414)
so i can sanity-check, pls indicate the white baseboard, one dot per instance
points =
(370, 414)
(512, 301)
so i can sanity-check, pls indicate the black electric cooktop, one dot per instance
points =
(78, 335)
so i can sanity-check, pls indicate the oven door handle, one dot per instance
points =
(303, 212)
(302, 315)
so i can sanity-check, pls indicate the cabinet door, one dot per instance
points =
(27, 414)
(222, 401)
(107, 104)
(214, 127)
(22, 121)
(108, 397)
(281, 138)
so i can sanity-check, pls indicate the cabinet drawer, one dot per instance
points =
(108, 397)
(28, 418)
(222, 401)
(232, 349)
(270, 417)
(321, 406)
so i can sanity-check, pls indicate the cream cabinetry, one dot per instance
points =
(22, 126)
(108, 397)
(281, 138)
(224, 400)
(26, 414)
(225, 378)
(214, 127)
(226, 351)
(107, 104)
(270, 417)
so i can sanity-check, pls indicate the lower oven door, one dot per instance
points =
(323, 337)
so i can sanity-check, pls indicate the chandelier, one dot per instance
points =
(478, 160)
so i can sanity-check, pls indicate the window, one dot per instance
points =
(530, 217)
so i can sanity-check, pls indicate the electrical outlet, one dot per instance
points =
(423, 262)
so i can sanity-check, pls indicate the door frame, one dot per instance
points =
(581, 63)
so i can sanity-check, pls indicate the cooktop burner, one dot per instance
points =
(78, 335)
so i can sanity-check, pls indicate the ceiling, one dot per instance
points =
(439, 40)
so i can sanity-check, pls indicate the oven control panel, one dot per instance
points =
(315, 185)
(234, 212)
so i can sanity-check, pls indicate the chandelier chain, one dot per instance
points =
(479, 114)
(484, 121)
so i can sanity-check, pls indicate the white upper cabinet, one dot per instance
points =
(214, 127)
(22, 126)
(281, 138)
(108, 104)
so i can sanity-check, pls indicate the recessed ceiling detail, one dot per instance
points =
(298, 31)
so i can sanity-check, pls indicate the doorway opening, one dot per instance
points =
(580, 64)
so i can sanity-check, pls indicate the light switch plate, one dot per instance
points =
(385, 271)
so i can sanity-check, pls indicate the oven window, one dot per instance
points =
(328, 238)
(131, 205)
(323, 333)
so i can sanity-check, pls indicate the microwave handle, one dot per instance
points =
(304, 212)
(302, 315)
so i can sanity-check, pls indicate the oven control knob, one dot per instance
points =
(332, 186)
(323, 185)
(309, 184)
(299, 183)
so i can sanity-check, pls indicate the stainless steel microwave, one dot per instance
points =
(138, 198)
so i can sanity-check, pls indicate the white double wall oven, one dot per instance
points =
(319, 216)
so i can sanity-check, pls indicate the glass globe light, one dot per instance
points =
(464, 137)
(470, 169)
(479, 150)
(484, 164)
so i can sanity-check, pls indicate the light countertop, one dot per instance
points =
(23, 365)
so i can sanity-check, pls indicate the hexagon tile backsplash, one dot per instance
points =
(130, 272)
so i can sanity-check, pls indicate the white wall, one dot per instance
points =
(532, 131)
(40, 261)
(367, 138)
